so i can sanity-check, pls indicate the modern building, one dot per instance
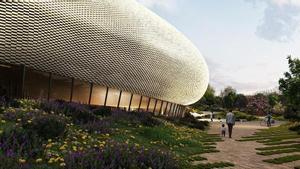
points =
(112, 53)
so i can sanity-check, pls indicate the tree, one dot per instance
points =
(227, 90)
(289, 85)
(207, 101)
(229, 96)
(240, 101)
(258, 104)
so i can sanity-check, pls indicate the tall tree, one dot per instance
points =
(229, 97)
(258, 104)
(289, 85)
(240, 101)
(207, 101)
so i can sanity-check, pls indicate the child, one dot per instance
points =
(223, 130)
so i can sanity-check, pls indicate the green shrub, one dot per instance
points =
(47, 126)
(295, 127)
(18, 142)
(102, 111)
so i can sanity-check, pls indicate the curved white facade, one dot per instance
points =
(114, 43)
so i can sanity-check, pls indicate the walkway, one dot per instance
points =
(242, 154)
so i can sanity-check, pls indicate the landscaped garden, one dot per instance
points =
(58, 134)
(278, 140)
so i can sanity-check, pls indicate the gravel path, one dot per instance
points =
(243, 154)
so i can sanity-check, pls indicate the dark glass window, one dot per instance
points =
(10, 80)
(144, 103)
(60, 88)
(36, 84)
(81, 92)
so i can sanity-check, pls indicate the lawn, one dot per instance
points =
(277, 140)
(71, 136)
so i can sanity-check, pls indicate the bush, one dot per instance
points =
(79, 113)
(116, 155)
(295, 127)
(190, 121)
(241, 115)
(47, 126)
(17, 142)
(102, 111)
(136, 118)
(99, 126)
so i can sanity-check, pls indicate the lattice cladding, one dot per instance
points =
(116, 43)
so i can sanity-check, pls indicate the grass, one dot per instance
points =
(284, 159)
(278, 147)
(187, 144)
(213, 165)
(277, 140)
(291, 150)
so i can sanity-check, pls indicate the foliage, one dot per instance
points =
(208, 101)
(98, 127)
(258, 105)
(102, 111)
(116, 155)
(190, 121)
(290, 87)
(295, 127)
(229, 100)
(79, 113)
(47, 126)
(240, 101)
(284, 159)
(17, 142)
(135, 118)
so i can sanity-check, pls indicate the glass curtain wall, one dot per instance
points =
(144, 103)
(125, 100)
(98, 95)
(135, 102)
(36, 84)
(112, 97)
(10, 80)
(158, 107)
(81, 92)
(60, 88)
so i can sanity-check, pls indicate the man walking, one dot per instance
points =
(230, 120)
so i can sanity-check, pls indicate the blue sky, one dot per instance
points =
(245, 42)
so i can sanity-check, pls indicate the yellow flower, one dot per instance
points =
(62, 147)
(3, 121)
(22, 160)
(51, 160)
(38, 160)
(107, 134)
(74, 148)
(29, 121)
(1, 131)
(18, 120)
(49, 145)
(62, 164)
(49, 140)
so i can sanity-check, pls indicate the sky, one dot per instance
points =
(245, 42)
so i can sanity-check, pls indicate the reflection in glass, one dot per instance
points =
(158, 107)
(60, 88)
(168, 109)
(144, 103)
(163, 108)
(98, 95)
(135, 102)
(125, 99)
(81, 92)
(151, 105)
(36, 84)
(112, 97)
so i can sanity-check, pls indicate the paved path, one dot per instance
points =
(243, 154)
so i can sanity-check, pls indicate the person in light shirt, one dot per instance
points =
(230, 121)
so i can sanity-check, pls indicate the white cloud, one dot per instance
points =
(281, 20)
(168, 5)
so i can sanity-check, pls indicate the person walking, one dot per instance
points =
(230, 121)
(211, 116)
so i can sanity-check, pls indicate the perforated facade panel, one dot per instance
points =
(114, 43)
